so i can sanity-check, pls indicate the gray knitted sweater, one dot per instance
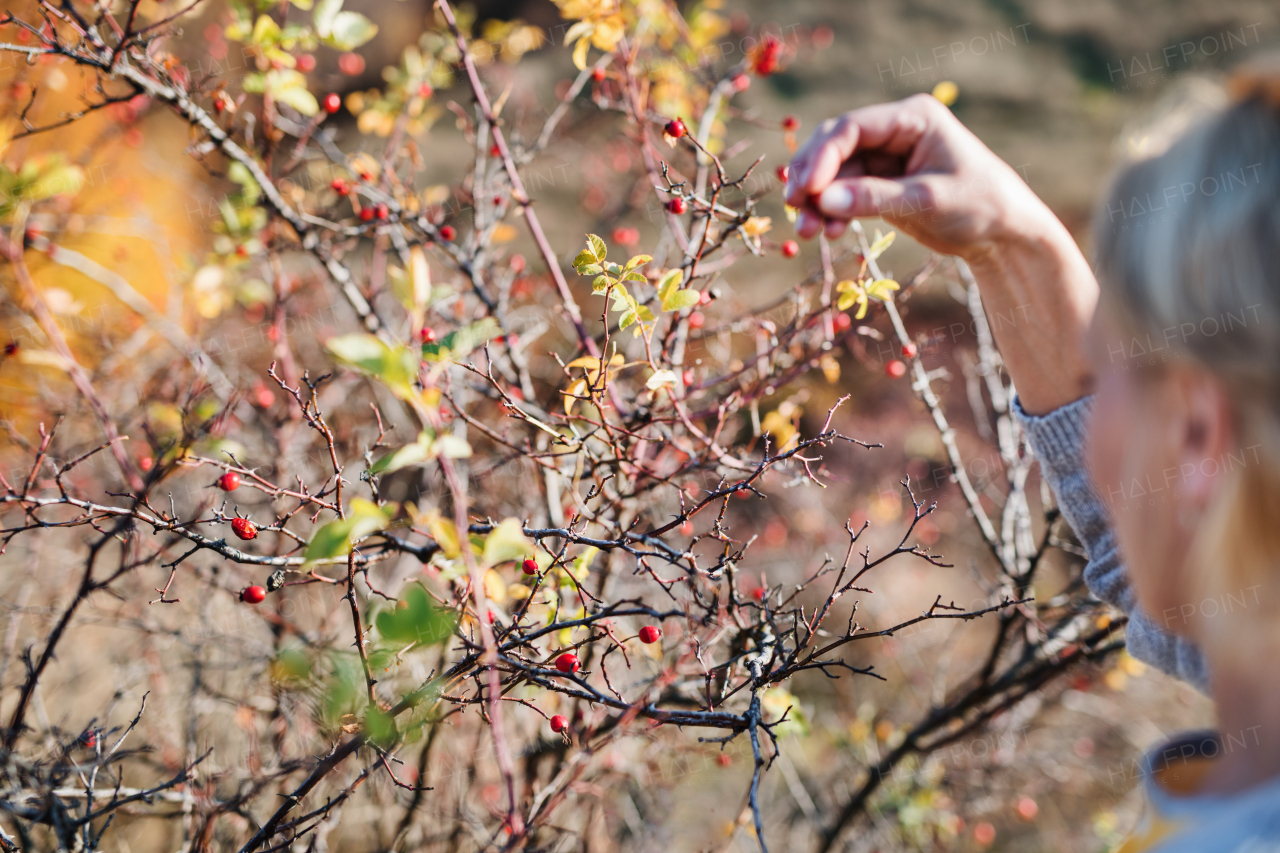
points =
(1246, 822)
(1058, 442)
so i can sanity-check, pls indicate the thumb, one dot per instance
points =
(865, 197)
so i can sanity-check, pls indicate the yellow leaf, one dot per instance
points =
(757, 225)
(880, 244)
(947, 92)
(779, 424)
(580, 53)
(495, 587)
(571, 396)
(507, 542)
(609, 32)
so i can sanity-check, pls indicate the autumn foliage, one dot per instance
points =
(426, 521)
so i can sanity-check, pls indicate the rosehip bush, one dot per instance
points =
(481, 479)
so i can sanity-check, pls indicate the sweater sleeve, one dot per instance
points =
(1058, 441)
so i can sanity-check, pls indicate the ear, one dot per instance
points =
(1204, 421)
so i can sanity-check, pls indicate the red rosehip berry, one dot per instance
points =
(425, 90)
(597, 74)
(380, 210)
(253, 595)
(146, 463)
(895, 369)
(626, 236)
(351, 64)
(781, 172)
(790, 124)
(229, 481)
(219, 104)
(741, 83)
(427, 334)
(697, 320)
(677, 206)
(687, 528)
(768, 56)
(909, 350)
(244, 528)
(723, 760)
(567, 662)
(530, 566)
(306, 63)
(447, 233)
(843, 322)
(759, 593)
(650, 634)
(687, 377)
(675, 128)
(366, 214)
(494, 150)
(559, 723)
(332, 103)
(339, 186)
(790, 249)
(242, 251)
(517, 263)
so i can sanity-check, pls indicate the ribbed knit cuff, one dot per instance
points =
(1058, 438)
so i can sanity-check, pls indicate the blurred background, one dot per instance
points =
(1055, 87)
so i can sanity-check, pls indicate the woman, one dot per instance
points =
(1176, 418)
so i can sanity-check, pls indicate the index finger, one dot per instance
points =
(895, 128)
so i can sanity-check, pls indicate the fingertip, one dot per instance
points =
(837, 200)
(808, 224)
(835, 228)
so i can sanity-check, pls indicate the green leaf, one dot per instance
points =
(380, 727)
(507, 542)
(395, 368)
(56, 179)
(881, 243)
(414, 619)
(451, 447)
(597, 247)
(681, 299)
(590, 268)
(637, 261)
(584, 257)
(342, 689)
(265, 32)
(660, 378)
(301, 100)
(322, 17)
(458, 343)
(410, 454)
(668, 284)
(581, 565)
(882, 289)
(254, 84)
(349, 30)
(339, 537)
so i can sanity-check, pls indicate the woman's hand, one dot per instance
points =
(913, 164)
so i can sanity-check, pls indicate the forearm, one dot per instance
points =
(1039, 294)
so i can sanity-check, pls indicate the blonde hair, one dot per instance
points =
(1188, 253)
